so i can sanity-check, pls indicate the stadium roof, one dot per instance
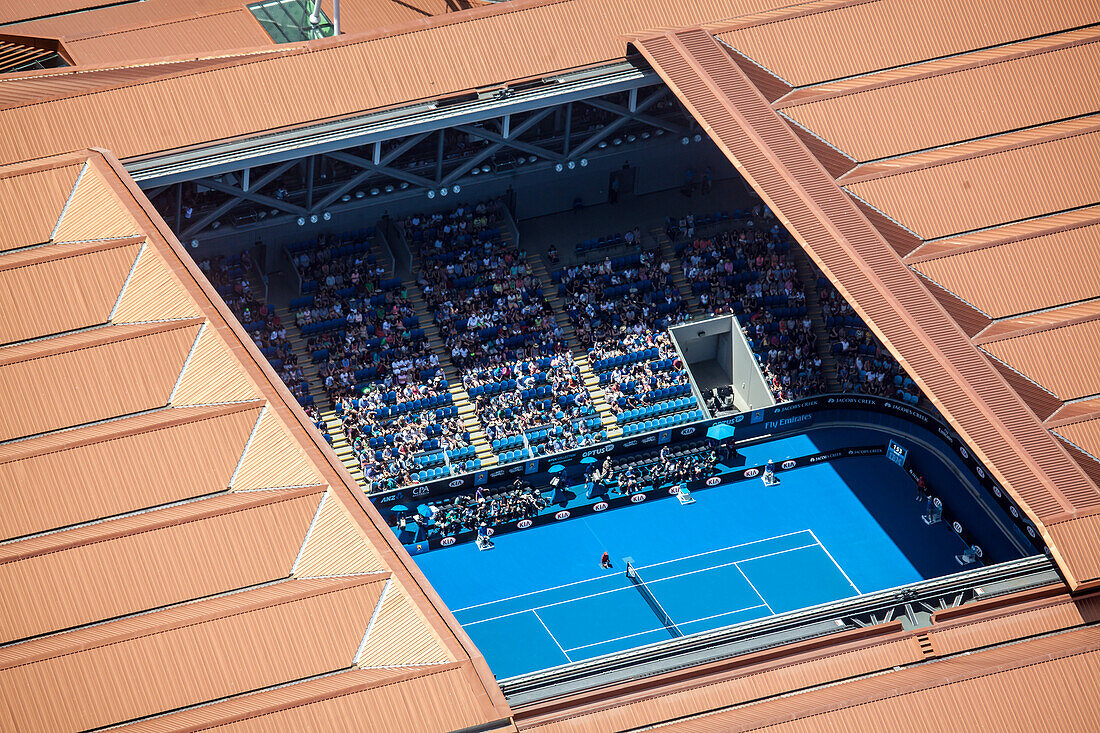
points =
(968, 241)
(207, 545)
(889, 136)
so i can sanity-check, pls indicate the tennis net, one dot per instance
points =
(647, 594)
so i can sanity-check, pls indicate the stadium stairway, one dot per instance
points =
(580, 356)
(311, 372)
(668, 253)
(454, 382)
(808, 275)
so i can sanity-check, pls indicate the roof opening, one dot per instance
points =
(16, 56)
(288, 21)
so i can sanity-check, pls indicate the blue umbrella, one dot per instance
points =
(424, 511)
(557, 468)
(720, 431)
(399, 508)
(588, 459)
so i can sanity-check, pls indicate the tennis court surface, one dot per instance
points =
(742, 551)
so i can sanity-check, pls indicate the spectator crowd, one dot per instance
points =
(748, 272)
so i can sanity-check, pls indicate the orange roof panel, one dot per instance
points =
(32, 201)
(1084, 434)
(990, 189)
(834, 44)
(30, 281)
(232, 27)
(15, 12)
(98, 471)
(201, 652)
(1050, 358)
(58, 383)
(312, 81)
(436, 700)
(900, 115)
(193, 550)
(1042, 684)
(1002, 280)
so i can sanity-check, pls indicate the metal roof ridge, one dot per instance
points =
(980, 147)
(1052, 224)
(307, 691)
(90, 338)
(124, 427)
(955, 64)
(149, 520)
(53, 251)
(182, 615)
(1006, 329)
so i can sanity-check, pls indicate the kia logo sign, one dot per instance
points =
(687, 431)
(637, 499)
(787, 464)
(957, 527)
(673, 490)
(978, 551)
(965, 453)
(713, 481)
(1031, 532)
(456, 482)
(600, 506)
(981, 473)
(447, 541)
(563, 514)
(420, 491)
(997, 491)
(752, 472)
(489, 531)
(524, 524)
(1015, 514)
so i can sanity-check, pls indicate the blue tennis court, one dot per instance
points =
(742, 551)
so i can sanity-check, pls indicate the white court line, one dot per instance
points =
(662, 628)
(754, 590)
(619, 590)
(823, 547)
(723, 549)
(727, 564)
(549, 605)
(551, 634)
(643, 567)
